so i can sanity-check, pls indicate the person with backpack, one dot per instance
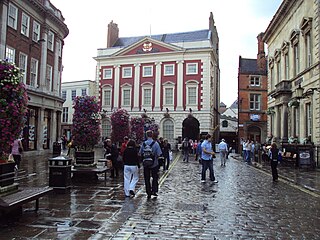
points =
(150, 152)
(186, 149)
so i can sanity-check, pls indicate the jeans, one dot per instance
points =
(148, 173)
(274, 164)
(223, 156)
(186, 155)
(205, 165)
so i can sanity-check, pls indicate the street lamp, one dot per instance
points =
(299, 92)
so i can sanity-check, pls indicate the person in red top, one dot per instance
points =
(124, 145)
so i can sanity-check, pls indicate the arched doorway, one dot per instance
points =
(254, 133)
(191, 128)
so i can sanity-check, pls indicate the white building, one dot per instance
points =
(70, 90)
(167, 76)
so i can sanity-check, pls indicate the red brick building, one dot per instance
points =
(252, 95)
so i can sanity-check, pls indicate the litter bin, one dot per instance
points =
(60, 172)
(56, 149)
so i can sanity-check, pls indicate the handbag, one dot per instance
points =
(20, 149)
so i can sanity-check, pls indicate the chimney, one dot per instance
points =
(113, 34)
(261, 56)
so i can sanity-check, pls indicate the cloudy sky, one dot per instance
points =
(238, 23)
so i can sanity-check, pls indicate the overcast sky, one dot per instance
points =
(238, 23)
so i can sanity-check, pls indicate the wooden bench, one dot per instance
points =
(98, 170)
(15, 200)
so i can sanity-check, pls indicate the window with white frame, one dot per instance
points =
(48, 77)
(12, 16)
(83, 92)
(168, 129)
(127, 72)
(65, 114)
(34, 72)
(59, 48)
(147, 96)
(64, 94)
(107, 97)
(192, 95)
(106, 128)
(10, 54)
(309, 120)
(126, 97)
(25, 24)
(192, 68)
(296, 55)
(255, 81)
(36, 31)
(107, 73)
(168, 69)
(168, 95)
(308, 47)
(286, 65)
(255, 101)
(73, 94)
(50, 40)
(147, 71)
(23, 66)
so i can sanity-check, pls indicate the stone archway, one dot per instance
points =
(254, 133)
(190, 128)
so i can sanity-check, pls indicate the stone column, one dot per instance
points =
(303, 124)
(136, 106)
(157, 87)
(55, 74)
(54, 125)
(3, 30)
(277, 130)
(285, 123)
(40, 129)
(43, 60)
(180, 86)
(116, 87)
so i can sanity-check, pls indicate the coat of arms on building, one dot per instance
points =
(147, 47)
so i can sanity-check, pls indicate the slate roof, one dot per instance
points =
(199, 35)
(249, 66)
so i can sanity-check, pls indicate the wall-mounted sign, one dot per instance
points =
(255, 117)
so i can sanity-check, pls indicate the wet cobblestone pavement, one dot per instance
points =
(245, 204)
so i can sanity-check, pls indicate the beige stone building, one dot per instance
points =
(293, 72)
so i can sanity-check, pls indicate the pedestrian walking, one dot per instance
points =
(207, 159)
(165, 153)
(16, 152)
(131, 168)
(274, 156)
(112, 153)
(186, 149)
(223, 150)
(199, 151)
(151, 171)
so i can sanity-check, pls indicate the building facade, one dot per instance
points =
(32, 34)
(229, 125)
(252, 96)
(173, 78)
(294, 80)
(70, 90)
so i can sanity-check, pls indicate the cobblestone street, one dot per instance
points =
(245, 204)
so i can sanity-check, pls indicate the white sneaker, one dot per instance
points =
(203, 181)
(215, 181)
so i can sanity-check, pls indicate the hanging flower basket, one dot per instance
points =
(13, 106)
